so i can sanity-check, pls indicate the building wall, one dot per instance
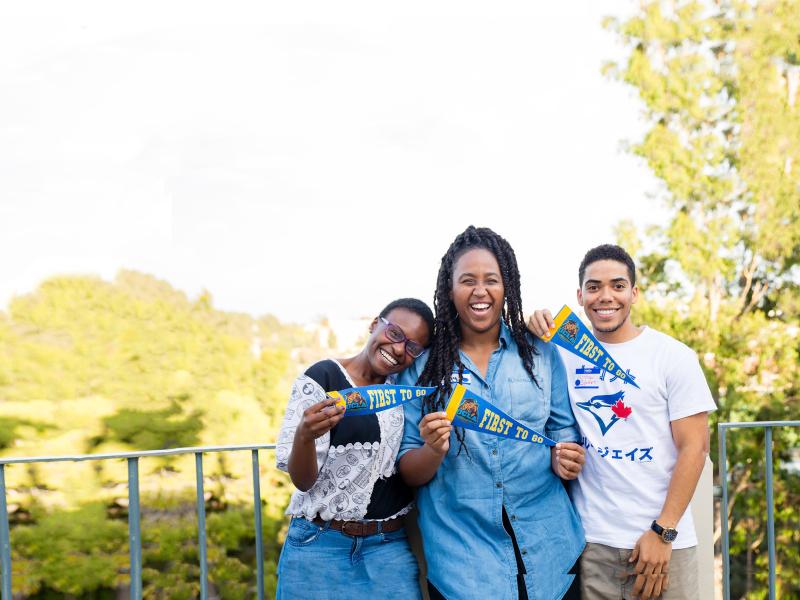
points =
(702, 506)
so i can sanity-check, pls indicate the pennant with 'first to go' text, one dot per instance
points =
(571, 334)
(470, 411)
(369, 399)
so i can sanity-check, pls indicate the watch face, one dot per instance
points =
(669, 535)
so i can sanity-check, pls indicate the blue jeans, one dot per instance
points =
(325, 564)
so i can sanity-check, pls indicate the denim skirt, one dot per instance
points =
(322, 563)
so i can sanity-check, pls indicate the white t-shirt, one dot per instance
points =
(630, 453)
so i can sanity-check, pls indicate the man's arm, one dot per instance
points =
(651, 554)
(691, 439)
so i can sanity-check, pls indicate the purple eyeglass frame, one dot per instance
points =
(405, 339)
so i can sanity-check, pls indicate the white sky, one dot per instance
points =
(306, 158)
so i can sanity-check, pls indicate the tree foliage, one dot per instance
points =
(719, 85)
(91, 366)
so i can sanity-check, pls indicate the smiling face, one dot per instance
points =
(386, 357)
(607, 296)
(478, 293)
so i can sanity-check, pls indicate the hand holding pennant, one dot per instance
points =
(369, 399)
(571, 334)
(470, 411)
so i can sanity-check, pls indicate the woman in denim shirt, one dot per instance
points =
(495, 518)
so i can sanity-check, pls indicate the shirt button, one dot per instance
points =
(524, 551)
(494, 451)
(499, 484)
(513, 517)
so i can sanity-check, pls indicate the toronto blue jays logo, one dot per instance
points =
(606, 409)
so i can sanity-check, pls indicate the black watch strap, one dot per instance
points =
(667, 534)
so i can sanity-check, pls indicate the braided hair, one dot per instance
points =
(444, 349)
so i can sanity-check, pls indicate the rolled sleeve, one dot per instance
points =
(561, 425)
(412, 411)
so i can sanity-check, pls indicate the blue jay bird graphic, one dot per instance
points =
(606, 409)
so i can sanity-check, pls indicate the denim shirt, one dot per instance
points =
(467, 550)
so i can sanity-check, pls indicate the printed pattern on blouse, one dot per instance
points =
(347, 473)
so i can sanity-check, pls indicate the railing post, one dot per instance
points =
(770, 513)
(5, 538)
(201, 526)
(257, 514)
(723, 514)
(134, 529)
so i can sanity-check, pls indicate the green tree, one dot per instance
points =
(719, 85)
(154, 429)
(90, 366)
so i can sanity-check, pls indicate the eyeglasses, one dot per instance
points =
(396, 335)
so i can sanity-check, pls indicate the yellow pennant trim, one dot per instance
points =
(455, 401)
(340, 401)
(559, 321)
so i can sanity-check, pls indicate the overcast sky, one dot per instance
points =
(304, 158)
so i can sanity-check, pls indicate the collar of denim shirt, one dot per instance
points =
(506, 343)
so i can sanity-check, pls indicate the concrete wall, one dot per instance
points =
(702, 506)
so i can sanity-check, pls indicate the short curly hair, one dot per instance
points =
(415, 306)
(607, 252)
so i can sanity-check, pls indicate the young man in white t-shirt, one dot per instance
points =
(645, 447)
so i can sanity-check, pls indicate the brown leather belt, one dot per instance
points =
(363, 528)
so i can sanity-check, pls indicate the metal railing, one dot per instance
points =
(134, 515)
(723, 476)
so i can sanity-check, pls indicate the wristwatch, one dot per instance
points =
(667, 534)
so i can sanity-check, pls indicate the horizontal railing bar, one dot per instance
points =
(760, 424)
(167, 452)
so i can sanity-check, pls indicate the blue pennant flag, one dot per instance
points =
(571, 334)
(470, 411)
(369, 399)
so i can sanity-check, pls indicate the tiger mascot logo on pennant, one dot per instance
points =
(355, 401)
(569, 330)
(468, 410)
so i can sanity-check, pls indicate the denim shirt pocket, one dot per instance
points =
(529, 403)
(462, 477)
(457, 457)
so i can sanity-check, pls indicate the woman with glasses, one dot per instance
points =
(346, 537)
(495, 518)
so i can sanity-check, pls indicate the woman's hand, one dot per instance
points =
(435, 430)
(540, 323)
(567, 459)
(318, 419)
